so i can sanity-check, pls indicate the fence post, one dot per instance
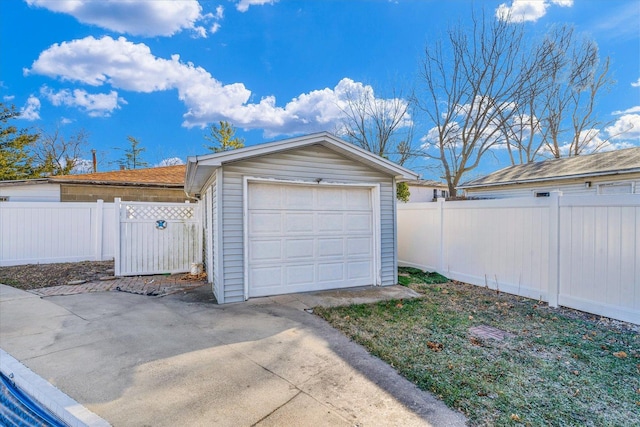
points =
(117, 209)
(441, 202)
(554, 248)
(99, 229)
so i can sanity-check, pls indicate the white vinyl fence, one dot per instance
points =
(142, 237)
(157, 238)
(581, 252)
(51, 232)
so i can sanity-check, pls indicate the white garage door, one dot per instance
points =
(304, 238)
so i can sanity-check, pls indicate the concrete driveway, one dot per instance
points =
(181, 360)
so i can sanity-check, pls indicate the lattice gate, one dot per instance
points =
(157, 238)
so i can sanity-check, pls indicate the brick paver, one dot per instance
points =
(142, 285)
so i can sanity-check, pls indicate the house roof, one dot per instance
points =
(200, 168)
(14, 182)
(599, 164)
(166, 176)
(427, 183)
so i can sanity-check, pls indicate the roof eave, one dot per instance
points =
(195, 179)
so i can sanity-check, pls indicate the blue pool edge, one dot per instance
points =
(55, 401)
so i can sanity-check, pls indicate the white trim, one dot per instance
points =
(375, 206)
(117, 206)
(218, 259)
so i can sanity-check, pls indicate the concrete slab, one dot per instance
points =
(339, 297)
(182, 360)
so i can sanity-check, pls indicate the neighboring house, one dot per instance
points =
(301, 214)
(422, 190)
(29, 190)
(161, 184)
(611, 172)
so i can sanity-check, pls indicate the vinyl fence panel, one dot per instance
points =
(577, 251)
(51, 232)
(600, 255)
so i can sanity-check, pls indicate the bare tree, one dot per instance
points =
(381, 126)
(470, 83)
(566, 76)
(56, 154)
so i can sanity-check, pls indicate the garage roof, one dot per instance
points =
(200, 168)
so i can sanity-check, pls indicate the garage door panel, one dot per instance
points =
(309, 238)
(359, 198)
(265, 277)
(359, 246)
(298, 198)
(265, 250)
(265, 222)
(298, 222)
(330, 247)
(302, 274)
(358, 222)
(299, 248)
(265, 197)
(328, 198)
(331, 272)
(330, 222)
(359, 270)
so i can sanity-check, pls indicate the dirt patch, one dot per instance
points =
(34, 276)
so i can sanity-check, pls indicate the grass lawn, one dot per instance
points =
(551, 367)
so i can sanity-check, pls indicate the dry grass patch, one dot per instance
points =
(547, 366)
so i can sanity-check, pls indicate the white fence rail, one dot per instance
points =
(157, 238)
(50, 232)
(581, 252)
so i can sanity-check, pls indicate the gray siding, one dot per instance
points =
(528, 190)
(306, 164)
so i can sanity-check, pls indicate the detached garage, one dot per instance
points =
(303, 214)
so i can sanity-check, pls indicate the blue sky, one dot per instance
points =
(163, 71)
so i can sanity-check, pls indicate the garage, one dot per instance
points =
(303, 214)
(307, 238)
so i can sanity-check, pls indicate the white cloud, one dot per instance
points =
(31, 111)
(171, 161)
(243, 5)
(626, 128)
(631, 110)
(527, 10)
(137, 17)
(8, 98)
(96, 105)
(636, 83)
(217, 17)
(128, 66)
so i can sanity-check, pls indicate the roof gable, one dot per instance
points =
(200, 168)
(598, 164)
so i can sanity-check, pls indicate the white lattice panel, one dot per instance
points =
(154, 212)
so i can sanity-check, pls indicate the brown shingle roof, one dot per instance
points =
(607, 163)
(163, 176)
